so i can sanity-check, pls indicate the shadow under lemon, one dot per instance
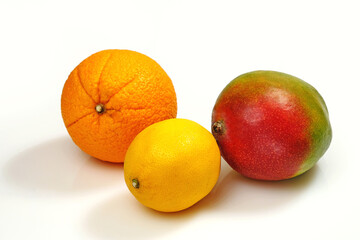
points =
(58, 165)
(123, 217)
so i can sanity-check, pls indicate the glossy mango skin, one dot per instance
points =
(274, 126)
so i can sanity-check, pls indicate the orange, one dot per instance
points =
(110, 97)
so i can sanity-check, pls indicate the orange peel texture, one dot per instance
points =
(110, 97)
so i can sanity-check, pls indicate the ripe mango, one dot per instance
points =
(270, 125)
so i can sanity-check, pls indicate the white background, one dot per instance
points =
(49, 189)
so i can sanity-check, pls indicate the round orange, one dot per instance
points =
(110, 97)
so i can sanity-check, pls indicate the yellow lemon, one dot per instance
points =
(172, 164)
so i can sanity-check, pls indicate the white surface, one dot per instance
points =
(49, 189)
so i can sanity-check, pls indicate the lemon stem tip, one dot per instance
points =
(135, 183)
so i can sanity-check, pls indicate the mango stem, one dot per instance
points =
(218, 127)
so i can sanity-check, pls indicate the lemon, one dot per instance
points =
(172, 164)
